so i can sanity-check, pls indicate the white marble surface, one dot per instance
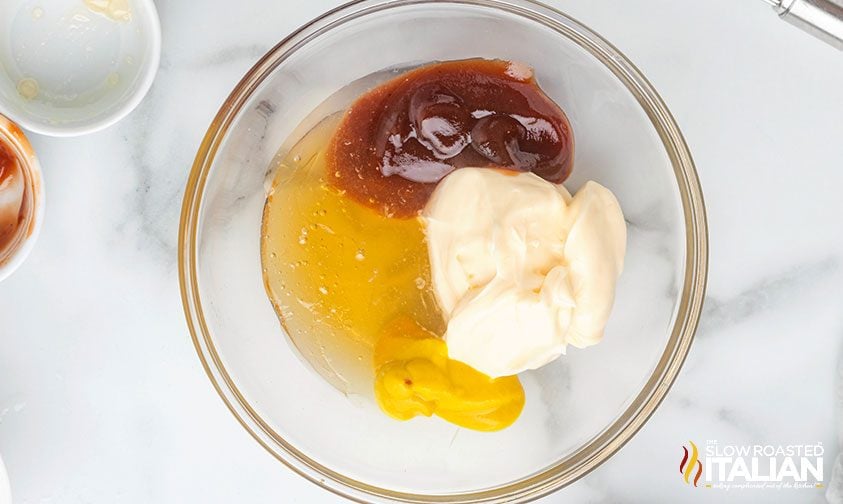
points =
(102, 398)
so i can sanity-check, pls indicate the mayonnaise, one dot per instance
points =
(520, 268)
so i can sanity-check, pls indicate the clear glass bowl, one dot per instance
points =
(580, 409)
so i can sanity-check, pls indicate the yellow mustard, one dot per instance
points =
(414, 376)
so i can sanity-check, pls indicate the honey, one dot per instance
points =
(335, 270)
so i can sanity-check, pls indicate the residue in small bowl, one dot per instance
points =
(118, 10)
(28, 88)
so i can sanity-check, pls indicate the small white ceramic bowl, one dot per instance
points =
(16, 142)
(67, 68)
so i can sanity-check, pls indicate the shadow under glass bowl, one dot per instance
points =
(580, 409)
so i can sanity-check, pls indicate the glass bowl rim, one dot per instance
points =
(598, 449)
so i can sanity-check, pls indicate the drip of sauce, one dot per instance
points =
(414, 376)
(399, 139)
(14, 203)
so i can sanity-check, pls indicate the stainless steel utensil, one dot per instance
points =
(821, 18)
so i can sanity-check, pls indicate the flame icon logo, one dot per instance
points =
(688, 464)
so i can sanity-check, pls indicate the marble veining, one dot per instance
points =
(769, 293)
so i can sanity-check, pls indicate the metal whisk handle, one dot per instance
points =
(821, 18)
